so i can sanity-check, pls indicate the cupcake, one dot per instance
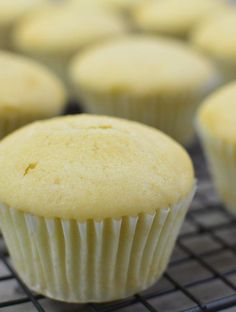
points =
(153, 80)
(216, 124)
(55, 33)
(216, 37)
(28, 92)
(91, 206)
(174, 17)
(10, 13)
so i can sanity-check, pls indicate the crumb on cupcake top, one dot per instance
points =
(217, 115)
(142, 65)
(28, 88)
(89, 167)
(174, 17)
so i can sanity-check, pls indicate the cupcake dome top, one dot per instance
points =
(29, 88)
(88, 167)
(64, 28)
(217, 115)
(12, 10)
(174, 17)
(141, 65)
(217, 35)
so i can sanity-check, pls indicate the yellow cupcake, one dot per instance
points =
(217, 38)
(217, 129)
(174, 17)
(54, 34)
(28, 92)
(91, 206)
(10, 13)
(155, 81)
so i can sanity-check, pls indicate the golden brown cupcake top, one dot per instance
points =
(142, 65)
(89, 167)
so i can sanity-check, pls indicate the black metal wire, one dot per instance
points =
(27, 291)
(145, 299)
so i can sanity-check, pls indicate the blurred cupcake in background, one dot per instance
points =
(174, 17)
(28, 92)
(216, 36)
(91, 4)
(152, 80)
(216, 125)
(10, 13)
(124, 6)
(54, 34)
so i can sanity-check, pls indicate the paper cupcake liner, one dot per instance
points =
(58, 64)
(12, 121)
(91, 261)
(173, 114)
(227, 69)
(5, 37)
(9, 123)
(221, 156)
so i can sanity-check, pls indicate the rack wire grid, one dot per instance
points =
(201, 275)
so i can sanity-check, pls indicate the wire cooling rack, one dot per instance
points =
(201, 275)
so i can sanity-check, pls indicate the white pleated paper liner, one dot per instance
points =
(13, 120)
(221, 156)
(92, 261)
